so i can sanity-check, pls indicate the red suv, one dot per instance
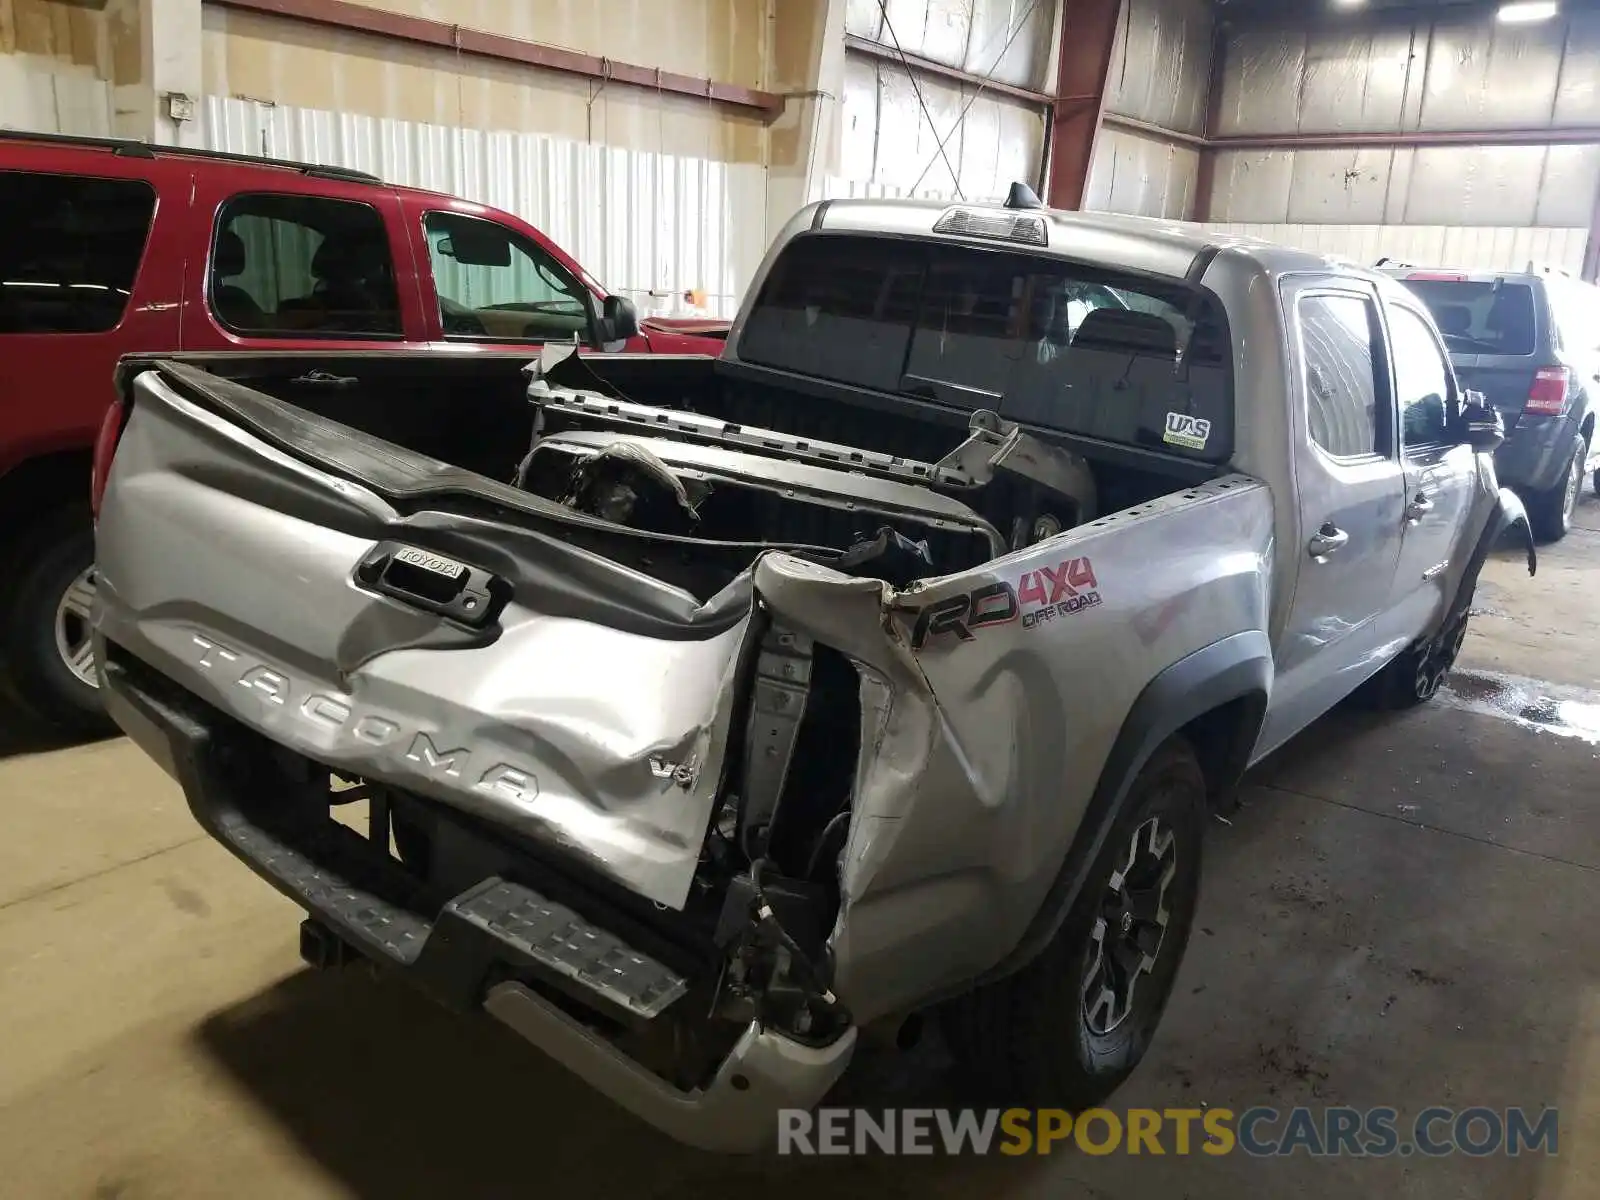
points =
(113, 247)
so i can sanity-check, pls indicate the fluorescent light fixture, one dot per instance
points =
(1527, 12)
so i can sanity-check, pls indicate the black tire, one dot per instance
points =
(37, 678)
(1550, 511)
(1415, 676)
(1033, 1038)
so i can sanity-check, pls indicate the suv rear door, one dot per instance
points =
(1494, 328)
(91, 268)
(310, 260)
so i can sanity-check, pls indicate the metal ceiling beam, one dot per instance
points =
(1522, 135)
(422, 31)
(871, 49)
(1088, 35)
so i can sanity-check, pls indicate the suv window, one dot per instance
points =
(1480, 318)
(495, 283)
(1421, 379)
(1343, 363)
(1047, 342)
(303, 266)
(1577, 312)
(71, 250)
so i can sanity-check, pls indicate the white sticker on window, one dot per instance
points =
(1189, 432)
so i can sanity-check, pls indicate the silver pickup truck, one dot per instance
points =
(698, 718)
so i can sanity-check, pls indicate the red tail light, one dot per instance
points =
(105, 448)
(1551, 392)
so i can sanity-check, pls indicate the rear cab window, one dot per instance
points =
(303, 266)
(1495, 317)
(71, 252)
(1048, 342)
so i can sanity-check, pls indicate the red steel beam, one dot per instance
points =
(1569, 135)
(422, 31)
(1088, 34)
(1205, 176)
(871, 49)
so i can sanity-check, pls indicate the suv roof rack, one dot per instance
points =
(131, 148)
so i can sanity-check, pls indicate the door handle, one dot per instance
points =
(1330, 539)
(1419, 507)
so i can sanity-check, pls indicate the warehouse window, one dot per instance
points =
(303, 266)
(494, 283)
(1341, 343)
(71, 251)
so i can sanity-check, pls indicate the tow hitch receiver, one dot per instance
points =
(323, 949)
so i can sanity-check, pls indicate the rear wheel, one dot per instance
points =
(1550, 511)
(45, 626)
(1067, 1029)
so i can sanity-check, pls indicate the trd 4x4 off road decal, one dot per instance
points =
(1039, 596)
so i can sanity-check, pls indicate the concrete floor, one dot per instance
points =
(1367, 937)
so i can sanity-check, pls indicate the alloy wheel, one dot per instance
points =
(1131, 926)
(1569, 502)
(75, 628)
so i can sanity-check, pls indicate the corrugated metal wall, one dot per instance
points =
(1160, 72)
(1453, 72)
(891, 146)
(649, 226)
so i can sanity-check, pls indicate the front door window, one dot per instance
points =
(494, 284)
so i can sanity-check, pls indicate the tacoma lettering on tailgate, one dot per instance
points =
(415, 747)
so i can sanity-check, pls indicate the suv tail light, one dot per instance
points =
(105, 448)
(1551, 392)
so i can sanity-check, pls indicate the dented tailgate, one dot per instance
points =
(596, 723)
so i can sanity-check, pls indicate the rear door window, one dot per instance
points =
(1045, 342)
(303, 266)
(493, 283)
(71, 251)
(1341, 349)
(1491, 317)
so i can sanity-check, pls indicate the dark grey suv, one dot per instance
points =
(1530, 343)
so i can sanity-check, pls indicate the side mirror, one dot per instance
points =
(1479, 424)
(620, 318)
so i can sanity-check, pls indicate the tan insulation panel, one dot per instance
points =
(289, 62)
(100, 44)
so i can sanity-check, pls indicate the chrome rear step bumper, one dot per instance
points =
(462, 955)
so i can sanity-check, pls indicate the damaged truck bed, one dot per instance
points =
(709, 712)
